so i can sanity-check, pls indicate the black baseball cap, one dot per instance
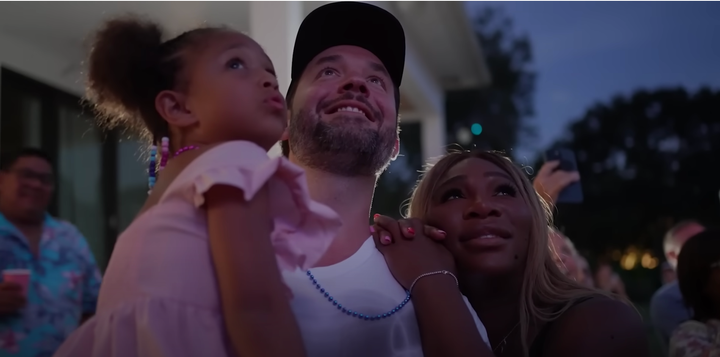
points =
(354, 24)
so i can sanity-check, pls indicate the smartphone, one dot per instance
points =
(572, 193)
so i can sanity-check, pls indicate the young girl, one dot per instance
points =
(198, 271)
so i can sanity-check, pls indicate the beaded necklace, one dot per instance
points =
(154, 169)
(352, 313)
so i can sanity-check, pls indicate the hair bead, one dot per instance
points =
(152, 167)
(165, 152)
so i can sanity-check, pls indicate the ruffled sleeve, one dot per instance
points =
(303, 228)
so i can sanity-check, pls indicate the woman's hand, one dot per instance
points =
(549, 181)
(447, 324)
(411, 248)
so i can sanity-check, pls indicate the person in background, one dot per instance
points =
(698, 269)
(550, 181)
(569, 260)
(667, 273)
(564, 254)
(587, 277)
(667, 309)
(608, 280)
(64, 278)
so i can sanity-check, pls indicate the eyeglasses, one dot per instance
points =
(46, 179)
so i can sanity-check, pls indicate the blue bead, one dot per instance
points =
(308, 272)
(378, 316)
(327, 294)
(361, 316)
(314, 281)
(343, 309)
(312, 277)
(322, 290)
(317, 286)
(340, 306)
(385, 315)
(355, 313)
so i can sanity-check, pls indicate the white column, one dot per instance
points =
(274, 25)
(432, 130)
(428, 102)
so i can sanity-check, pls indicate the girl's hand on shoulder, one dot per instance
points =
(411, 248)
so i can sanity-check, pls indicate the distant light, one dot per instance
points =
(463, 136)
(476, 129)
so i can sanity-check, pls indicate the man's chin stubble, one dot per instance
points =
(340, 151)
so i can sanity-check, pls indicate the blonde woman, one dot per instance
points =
(495, 227)
(569, 260)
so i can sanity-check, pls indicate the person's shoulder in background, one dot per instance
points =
(670, 291)
(668, 310)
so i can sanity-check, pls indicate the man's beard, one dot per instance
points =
(340, 148)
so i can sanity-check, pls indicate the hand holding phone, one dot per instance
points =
(558, 180)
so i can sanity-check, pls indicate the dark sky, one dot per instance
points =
(586, 52)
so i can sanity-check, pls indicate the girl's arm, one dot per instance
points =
(254, 300)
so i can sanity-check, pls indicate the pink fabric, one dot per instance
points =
(159, 296)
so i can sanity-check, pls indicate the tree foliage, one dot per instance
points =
(646, 161)
(504, 107)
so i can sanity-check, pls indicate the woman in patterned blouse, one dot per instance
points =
(699, 279)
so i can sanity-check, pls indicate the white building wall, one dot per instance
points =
(39, 64)
(274, 25)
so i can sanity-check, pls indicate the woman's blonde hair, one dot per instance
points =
(546, 292)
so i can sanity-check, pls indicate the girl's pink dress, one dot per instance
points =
(159, 296)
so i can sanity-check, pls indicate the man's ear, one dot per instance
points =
(172, 107)
(396, 149)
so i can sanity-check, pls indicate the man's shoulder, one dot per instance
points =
(64, 229)
(60, 224)
(669, 292)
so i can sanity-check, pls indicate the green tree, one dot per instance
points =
(646, 161)
(505, 106)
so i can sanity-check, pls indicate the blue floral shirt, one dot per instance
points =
(64, 285)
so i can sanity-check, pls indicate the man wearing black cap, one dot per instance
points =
(344, 98)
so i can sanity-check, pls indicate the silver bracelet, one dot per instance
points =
(445, 272)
